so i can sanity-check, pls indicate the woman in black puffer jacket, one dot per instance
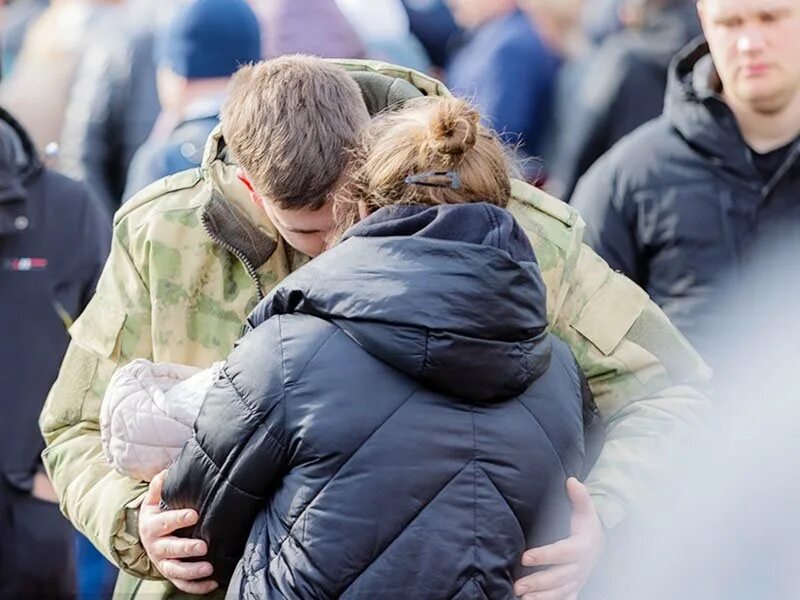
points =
(398, 423)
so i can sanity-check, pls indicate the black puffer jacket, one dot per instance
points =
(399, 417)
(678, 204)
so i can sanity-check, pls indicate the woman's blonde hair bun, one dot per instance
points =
(454, 128)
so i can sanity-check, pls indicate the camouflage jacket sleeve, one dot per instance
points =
(113, 329)
(649, 384)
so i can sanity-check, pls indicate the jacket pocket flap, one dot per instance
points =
(98, 329)
(611, 312)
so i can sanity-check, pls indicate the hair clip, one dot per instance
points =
(438, 179)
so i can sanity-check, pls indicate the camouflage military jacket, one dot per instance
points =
(191, 256)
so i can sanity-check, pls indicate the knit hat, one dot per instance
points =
(210, 38)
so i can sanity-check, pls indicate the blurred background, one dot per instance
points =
(563, 80)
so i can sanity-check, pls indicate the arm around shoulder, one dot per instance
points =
(239, 449)
(649, 384)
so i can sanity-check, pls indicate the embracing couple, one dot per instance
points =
(408, 414)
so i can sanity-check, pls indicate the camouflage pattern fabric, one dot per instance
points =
(192, 255)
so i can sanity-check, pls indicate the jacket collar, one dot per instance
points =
(229, 216)
(229, 225)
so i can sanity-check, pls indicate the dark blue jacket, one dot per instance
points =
(399, 419)
(504, 67)
(433, 25)
(54, 239)
(679, 204)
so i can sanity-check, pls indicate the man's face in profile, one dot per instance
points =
(304, 229)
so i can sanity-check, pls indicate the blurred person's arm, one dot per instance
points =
(90, 136)
(584, 104)
(114, 328)
(514, 94)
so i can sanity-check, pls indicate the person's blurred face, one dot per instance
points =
(305, 230)
(557, 22)
(755, 45)
(473, 13)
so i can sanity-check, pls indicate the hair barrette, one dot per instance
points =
(437, 179)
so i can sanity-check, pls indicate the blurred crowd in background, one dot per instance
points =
(562, 80)
(118, 94)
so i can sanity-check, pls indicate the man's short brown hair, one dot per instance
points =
(290, 122)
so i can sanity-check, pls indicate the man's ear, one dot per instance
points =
(254, 196)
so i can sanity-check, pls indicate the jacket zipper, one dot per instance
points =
(251, 271)
(788, 164)
(726, 209)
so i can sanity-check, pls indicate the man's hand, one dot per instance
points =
(572, 560)
(166, 550)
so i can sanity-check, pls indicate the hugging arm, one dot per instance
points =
(238, 452)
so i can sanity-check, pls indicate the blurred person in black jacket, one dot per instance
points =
(621, 85)
(204, 44)
(114, 102)
(54, 239)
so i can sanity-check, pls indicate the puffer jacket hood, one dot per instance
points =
(696, 109)
(459, 302)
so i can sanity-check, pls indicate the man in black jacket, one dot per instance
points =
(54, 239)
(678, 204)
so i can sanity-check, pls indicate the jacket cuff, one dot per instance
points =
(126, 547)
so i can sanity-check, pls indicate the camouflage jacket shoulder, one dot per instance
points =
(556, 231)
(204, 255)
(160, 197)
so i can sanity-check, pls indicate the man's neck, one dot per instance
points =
(765, 132)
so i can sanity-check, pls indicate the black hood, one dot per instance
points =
(664, 33)
(19, 165)
(18, 159)
(695, 107)
(451, 295)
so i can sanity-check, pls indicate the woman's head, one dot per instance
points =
(433, 151)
